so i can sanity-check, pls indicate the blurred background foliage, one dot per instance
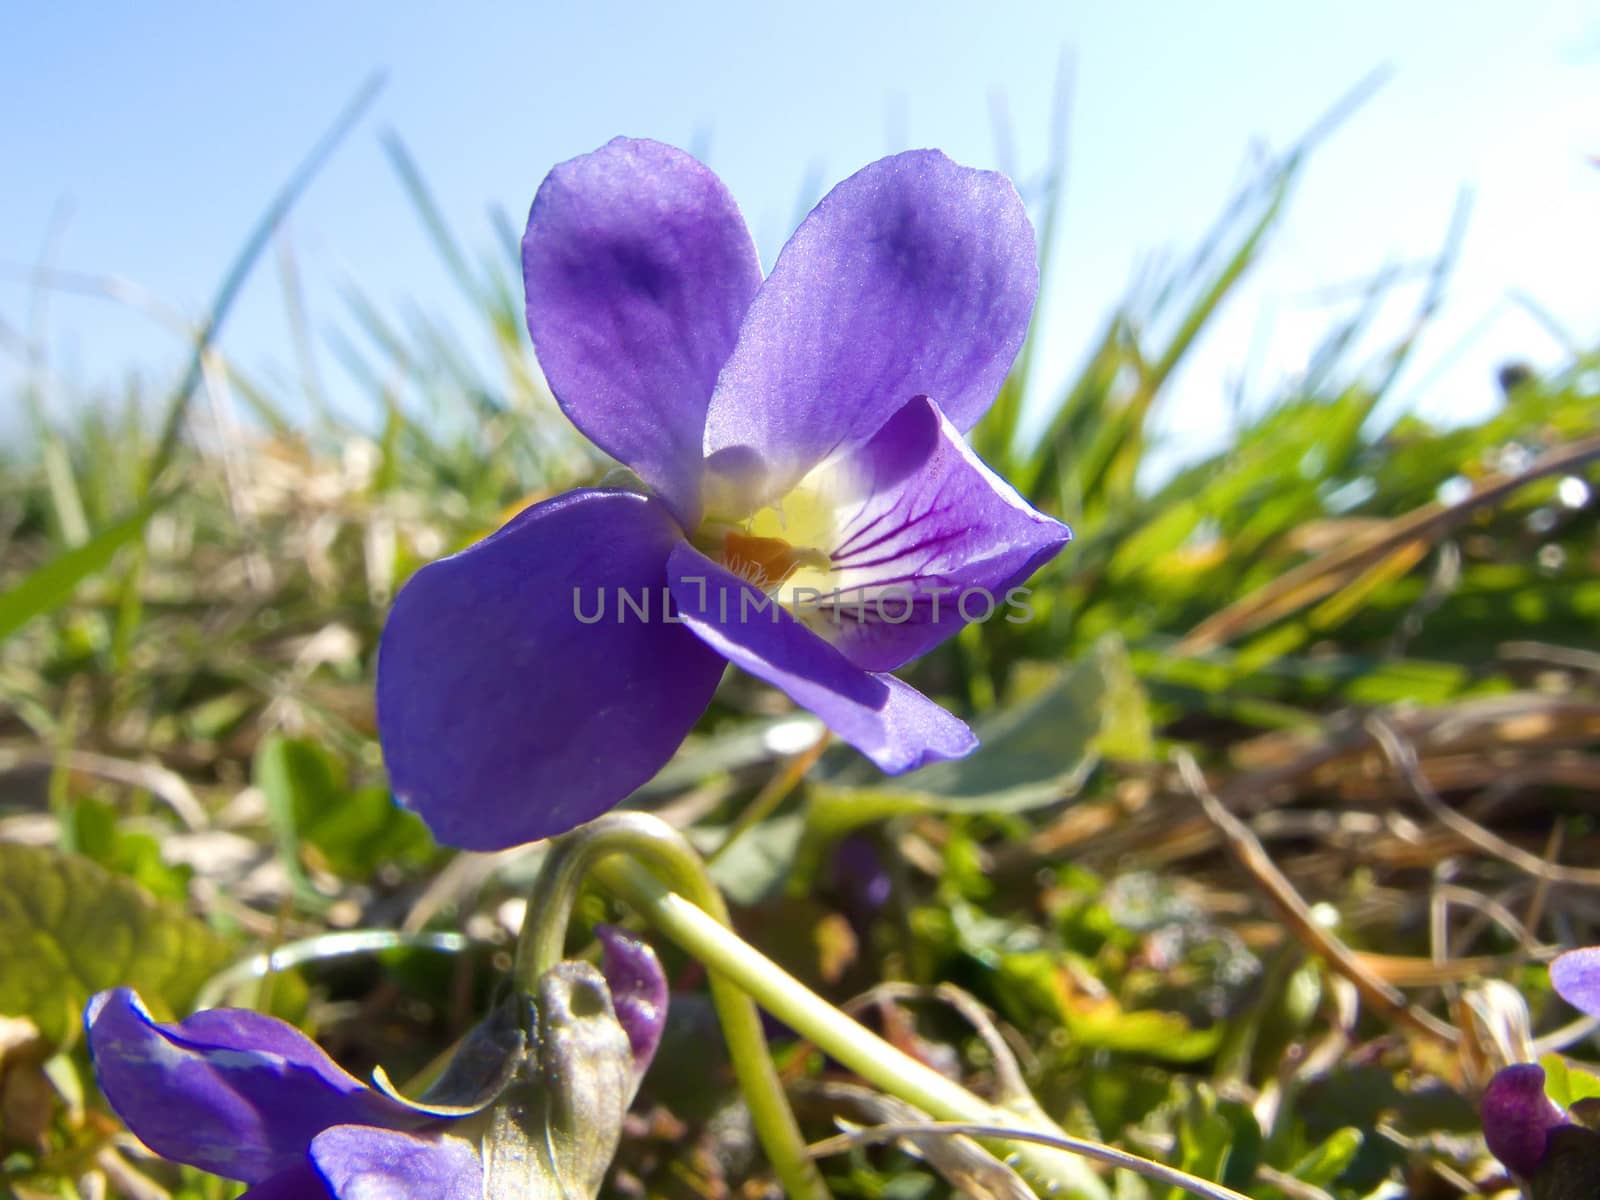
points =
(1297, 747)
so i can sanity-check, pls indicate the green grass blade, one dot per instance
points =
(428, 209)
(244, 263)
(50, 585)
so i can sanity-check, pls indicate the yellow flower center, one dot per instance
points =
(780, 547)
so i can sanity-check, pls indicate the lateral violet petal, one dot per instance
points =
(235, 1093)
(638, 991)
(915, 276)
(1518, 1117)
(890, 722)
(639, 269)
(360, 1163)
(1576, 977)
(921, 552)
(517, 696)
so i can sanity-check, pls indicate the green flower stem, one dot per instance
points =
(615, 840)
(694, 916)
(729, 957)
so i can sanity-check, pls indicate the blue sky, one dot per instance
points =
(143, 140)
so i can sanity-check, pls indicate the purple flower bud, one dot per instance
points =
(1518, 1117)
(638, 991)
(557, 1127)
(859, 880)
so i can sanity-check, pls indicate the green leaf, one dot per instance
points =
(1218, 1140)
(1321, 1166)
(51, 584)
(747, 744)
(354, 830)
(1106, 1025)
(758, 862)
(98, 834)
(1038, 981)
(1566, 1084)
(70, 928)
(1030, 754)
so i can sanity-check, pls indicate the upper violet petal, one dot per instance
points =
(638, 989)
(508, 709)
(639, 269)
(360, 1163)
(890, 722)
(1576, 977)
(915, 276)
(922, 551)
(1518, 1116)
(235, 1093)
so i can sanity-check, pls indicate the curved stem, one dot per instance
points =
(542, 943)
(1110, 1155)
(620, 838)
(734, 960)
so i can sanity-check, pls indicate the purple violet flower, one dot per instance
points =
(814, 512)
(1527, 1131)
(249, 1097)
(1518, 1117)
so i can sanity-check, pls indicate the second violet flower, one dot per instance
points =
(249, 1097)
(814, 513)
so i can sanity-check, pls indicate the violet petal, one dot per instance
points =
(638, 991)
(639, 269)
(893, 724)
(1576, 977)
(360, 1163)
(299, 1182)
(1518, 1116)
(915, 276)
(504, 716)
(921, 552)
(233, 1092)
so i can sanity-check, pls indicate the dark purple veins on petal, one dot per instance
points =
(931, 547)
